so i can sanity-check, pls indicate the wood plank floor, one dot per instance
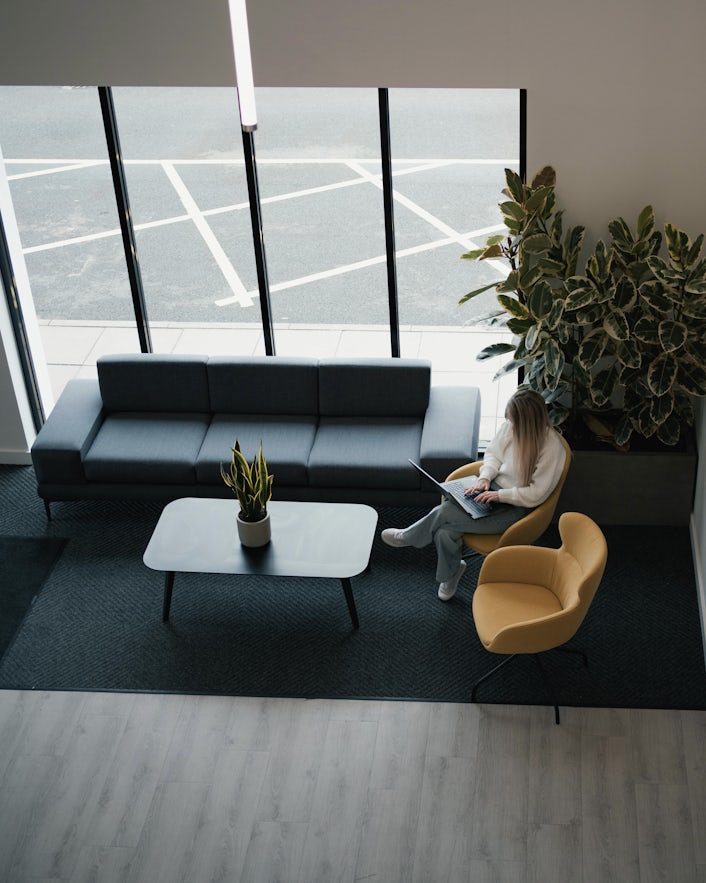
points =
(120, 787)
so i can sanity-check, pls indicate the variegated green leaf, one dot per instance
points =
(661, 407)
(532, 337)
(514, 185)
(554, 363)
(603, 386)
(672, 335)
(625, 295)
(551, 268)
(620, 232)
(581, 297)
(472, 294)
(472, 255)
(695, 286)
(616, 325)
(492, 251)
(519, 326)
(537, 243)
(513, 306)
(694, 307)
(512, 210)
(623, 431)
(509, 284)
(694, 253)
(495, 349)
(592, 348)
(645, 221)
(556, 315)
(589, 316)
(545, 177)
(654, 296)
(541, 300)
(628, 353)
(677, 243)
(647, 330)
(692, 377)
(662, 374)
(669, 432)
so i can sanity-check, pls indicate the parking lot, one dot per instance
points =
(319, 175)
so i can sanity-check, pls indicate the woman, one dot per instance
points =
(521, 467)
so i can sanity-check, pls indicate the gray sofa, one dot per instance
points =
(159, 426)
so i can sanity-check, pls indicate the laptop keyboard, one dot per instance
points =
(457, 490)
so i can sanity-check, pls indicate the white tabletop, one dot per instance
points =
(200, 535)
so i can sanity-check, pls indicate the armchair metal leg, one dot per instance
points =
(47, 509)
(548, 685)
(490, 674)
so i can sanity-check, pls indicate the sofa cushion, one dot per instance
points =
(263, 385)
(286, 443)
(374, 388)
(371, 453)
(154, 448)
(154, 382)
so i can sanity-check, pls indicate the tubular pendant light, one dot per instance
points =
(243, 64)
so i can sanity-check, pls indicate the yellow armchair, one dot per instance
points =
(530, 599)
(525, 531)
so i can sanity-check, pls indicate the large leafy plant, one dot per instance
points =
(250, 482)
(621, 346)
(648, 328)
(542, 256)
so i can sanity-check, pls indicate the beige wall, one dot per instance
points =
(614, 89)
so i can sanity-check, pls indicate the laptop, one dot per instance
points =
(456, 490)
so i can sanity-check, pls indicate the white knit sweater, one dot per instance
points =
(498, 466)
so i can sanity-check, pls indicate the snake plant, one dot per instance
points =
(250, 482)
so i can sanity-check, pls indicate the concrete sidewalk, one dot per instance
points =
(71, 350)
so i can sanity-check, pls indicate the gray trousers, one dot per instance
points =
(445, 525)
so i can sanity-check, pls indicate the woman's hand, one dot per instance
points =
(488, 497)
(483, 484)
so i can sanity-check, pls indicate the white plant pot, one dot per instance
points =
(254, 533)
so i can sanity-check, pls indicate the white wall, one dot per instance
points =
(615, 90)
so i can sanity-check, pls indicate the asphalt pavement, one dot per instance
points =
(319, 176)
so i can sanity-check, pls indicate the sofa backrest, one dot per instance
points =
(375, 388)
(154, 382)
(263, 385)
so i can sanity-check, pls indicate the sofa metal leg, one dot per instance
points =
(47, 509)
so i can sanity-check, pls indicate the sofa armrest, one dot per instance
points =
(451, 428)
(61, 443)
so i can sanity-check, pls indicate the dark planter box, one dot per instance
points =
(650, 488)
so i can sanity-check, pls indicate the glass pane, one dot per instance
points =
(184, 165)
(318, 153)
(62, 191)
(450, 148)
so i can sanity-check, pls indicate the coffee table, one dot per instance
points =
(322, 540)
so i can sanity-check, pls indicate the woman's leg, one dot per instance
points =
(445, 526)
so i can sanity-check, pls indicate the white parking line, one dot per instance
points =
(240, 295)
(370, 262)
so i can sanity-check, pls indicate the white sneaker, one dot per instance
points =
(448, 589)
(393, 536)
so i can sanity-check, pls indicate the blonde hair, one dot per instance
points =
(527, 412)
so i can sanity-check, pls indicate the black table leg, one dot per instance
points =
(168, 586)
(348, 592)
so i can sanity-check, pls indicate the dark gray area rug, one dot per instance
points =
(96, 624)
(25, 563)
